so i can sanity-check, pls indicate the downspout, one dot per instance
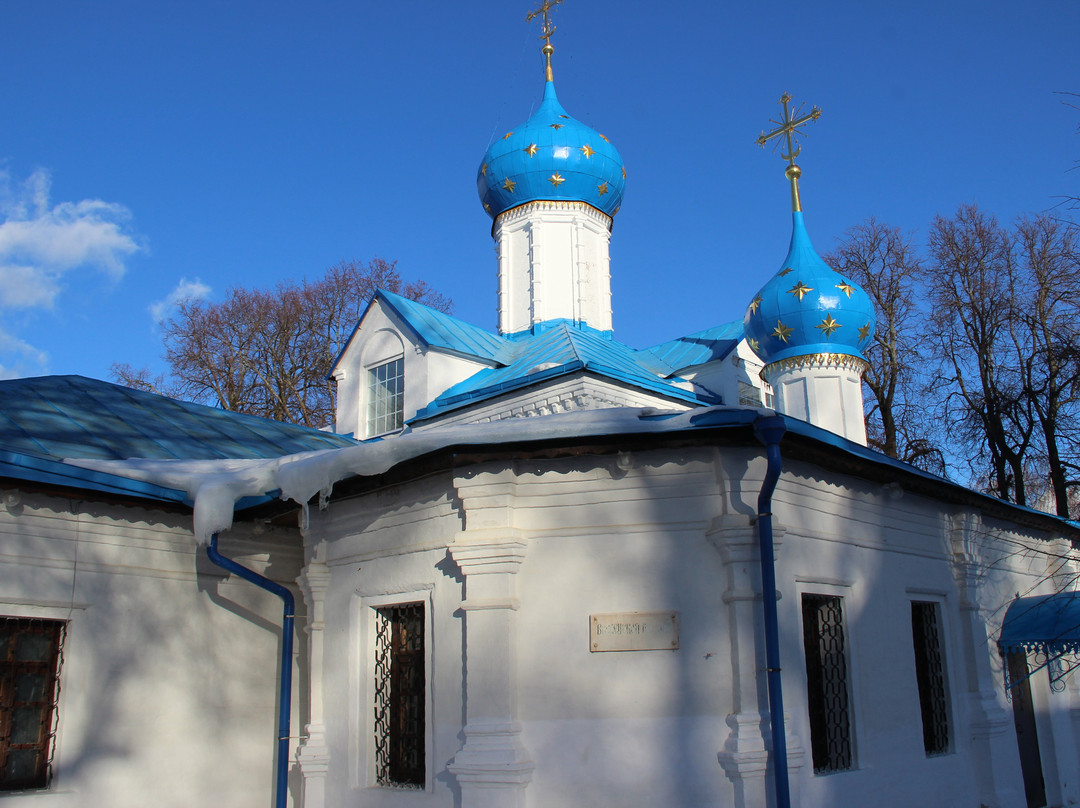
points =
(769, 430)
(285, 690)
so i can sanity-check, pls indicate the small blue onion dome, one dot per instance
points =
(808, 308)
(551, 157)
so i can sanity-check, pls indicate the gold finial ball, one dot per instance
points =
(548, 49)
(793, 172)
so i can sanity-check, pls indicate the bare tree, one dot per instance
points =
(883, 262)
(1046, 286)
(973, 326)
(269, 353)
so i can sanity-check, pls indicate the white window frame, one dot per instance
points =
(845, 590)
(377, 393)
(71, 614)
(941, 598)
(363, 774)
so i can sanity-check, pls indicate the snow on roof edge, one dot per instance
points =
(215, 486)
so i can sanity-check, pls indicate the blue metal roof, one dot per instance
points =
(697, 349)
(1049, 624)
(58, 417)
(559, 348)
(440, 330)
(32, 468)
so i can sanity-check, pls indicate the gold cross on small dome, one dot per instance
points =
(788, 126)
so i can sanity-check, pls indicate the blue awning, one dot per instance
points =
(1048, 624)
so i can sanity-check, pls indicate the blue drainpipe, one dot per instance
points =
(769, 430)
(285, 691)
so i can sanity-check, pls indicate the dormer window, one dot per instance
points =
(386, 397)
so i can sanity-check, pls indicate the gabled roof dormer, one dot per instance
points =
(400, 356)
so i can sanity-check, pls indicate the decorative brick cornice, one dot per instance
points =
(818, 361)
(521, 211)
(488, 552)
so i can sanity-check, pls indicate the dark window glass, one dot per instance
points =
(930, 674)
(826, 682)
(400, 692)
(30, 654)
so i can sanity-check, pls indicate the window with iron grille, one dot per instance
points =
(930, 675)
(386, 397)
(31, 652)
(827, 682)
(400, 695)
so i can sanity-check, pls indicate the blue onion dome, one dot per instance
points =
(551, 157)
(808, 308)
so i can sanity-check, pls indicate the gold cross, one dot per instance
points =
(788, 126)
(544, 7)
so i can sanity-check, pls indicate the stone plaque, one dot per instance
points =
(634, 631)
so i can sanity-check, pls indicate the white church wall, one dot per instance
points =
(168, 681)
(383, 549)
(661, 531)
(623, 728)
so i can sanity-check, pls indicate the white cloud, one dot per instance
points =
(23, 287)
(185, 290)
(20, 358)
(39, 243)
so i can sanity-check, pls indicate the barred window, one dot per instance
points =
(386, 397)
(930, 675)
(30, 658)
(400, 694)
(827, 682)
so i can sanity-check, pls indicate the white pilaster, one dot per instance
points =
(823, 389)
(554, 264)
(493, 768)
(993, 746)
(745, 757)
(314, 755)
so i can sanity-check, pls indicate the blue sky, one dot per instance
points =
(154, 149)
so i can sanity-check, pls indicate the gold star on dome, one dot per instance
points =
(565, 116)
(556, 179)
(605, 138)
(507, 135)
(864, 332)
(587, 151)
(783, 272)
(601, 188)
(800, 290)
(531, 149)
(483, 170)
(509, 184)
(557, 126)
(782, 332)
(845, 287)
(754, 304)
(754, 346)
(487, 207)
(828, 325)
(624, 172)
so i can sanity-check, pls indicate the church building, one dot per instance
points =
(531, 567)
